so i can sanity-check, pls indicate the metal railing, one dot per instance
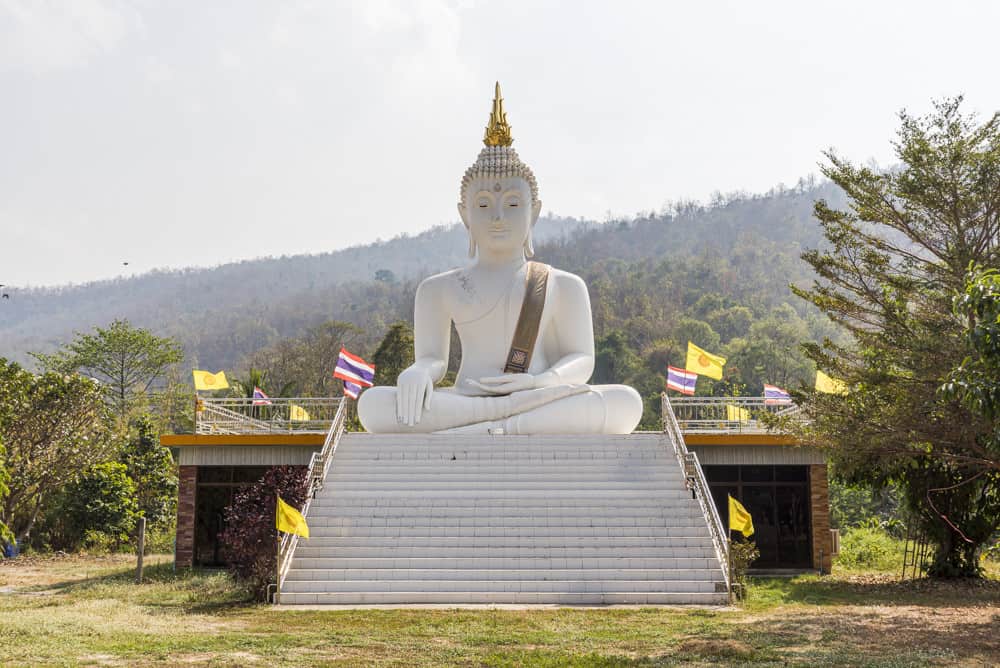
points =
(319, 466)
(698, 486)
(240, 415)
(728, 415)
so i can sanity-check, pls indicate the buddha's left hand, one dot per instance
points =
(511, 382)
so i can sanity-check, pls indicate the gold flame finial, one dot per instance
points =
(498, 130)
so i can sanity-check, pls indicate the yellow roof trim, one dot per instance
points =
(188, 440)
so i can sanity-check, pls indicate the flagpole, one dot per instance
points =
(277, 554)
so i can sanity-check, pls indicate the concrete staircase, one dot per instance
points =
(572, 520)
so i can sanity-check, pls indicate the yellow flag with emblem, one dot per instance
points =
(289, 520)
(206, 380)
(737, 413)
(829, 385)
(739, 518)
(704, 363)
(297, 413)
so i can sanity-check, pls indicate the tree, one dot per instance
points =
(52, 426)
(394, 353)
(975, 382)
(5, 535)
(100, 503)
(307, 363)
(894, 264)
(126, 360)
(614, 360)
(151, 468)
(250, 538)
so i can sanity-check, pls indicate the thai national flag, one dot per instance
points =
(775, 396)
(259, 398)
(355, 372)
(680, 380)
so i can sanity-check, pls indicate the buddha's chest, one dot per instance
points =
(487, 298)
(486, 312)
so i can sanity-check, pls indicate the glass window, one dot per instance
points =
(791, 473)
(722, 473)
(757, 473)
(215, 474)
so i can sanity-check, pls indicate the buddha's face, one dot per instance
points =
(499, 213)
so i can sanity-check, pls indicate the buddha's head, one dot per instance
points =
(499, 200)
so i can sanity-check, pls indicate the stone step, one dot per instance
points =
(500, 521)
(505, 598)
(332, 498)
(445, 553)
(702, 540)
(331, 508)
(557, 495)
(446, 568)
(409, 477)
(552, 586)
(458, 463)
(322, 573)
(513, 531)
(480, 488)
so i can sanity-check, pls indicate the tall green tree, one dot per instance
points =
(52, 426)
(894, 263)
(126, 360)
(394, 353)
(5, 534)
(976, 383)
(151, 468)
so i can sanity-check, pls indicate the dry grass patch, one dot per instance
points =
(91, 613)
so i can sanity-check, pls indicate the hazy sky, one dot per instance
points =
(193, 133)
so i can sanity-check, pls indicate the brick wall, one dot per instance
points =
(184, 549)
(819, 502)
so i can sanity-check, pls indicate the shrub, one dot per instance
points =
(250, 539)
(98, 509)
(869, 548)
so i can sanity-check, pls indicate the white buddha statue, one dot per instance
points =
(526, 329)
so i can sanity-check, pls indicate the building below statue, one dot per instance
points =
(782, 484)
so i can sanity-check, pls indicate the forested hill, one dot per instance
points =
(743, 248)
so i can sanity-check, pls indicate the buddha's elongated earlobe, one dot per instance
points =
(472, 246)
(529, 247)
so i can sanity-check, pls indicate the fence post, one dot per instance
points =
(140, 549)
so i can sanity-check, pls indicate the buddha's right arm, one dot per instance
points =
(431, 329)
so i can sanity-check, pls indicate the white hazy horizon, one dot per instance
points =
(168, 135)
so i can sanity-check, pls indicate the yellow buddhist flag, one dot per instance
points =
(829, 385)
(289, 520)
(206, 380)
(297, 413)
(739, 518)
(737, 414)
(704, 363)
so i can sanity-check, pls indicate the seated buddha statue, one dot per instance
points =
(526, 329)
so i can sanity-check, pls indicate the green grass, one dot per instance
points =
(87, 610)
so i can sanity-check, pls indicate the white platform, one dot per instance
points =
(573, 520)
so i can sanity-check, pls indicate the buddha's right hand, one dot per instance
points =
(413, 395)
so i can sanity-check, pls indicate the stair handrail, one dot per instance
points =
(696, 483)
(319, 466)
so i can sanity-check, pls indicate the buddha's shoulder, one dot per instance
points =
(443, 283)
(566, 280)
